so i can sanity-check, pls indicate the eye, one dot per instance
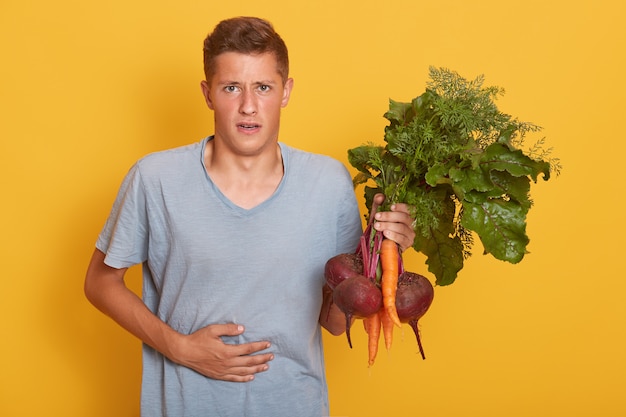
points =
(230, 88)
(264, 88)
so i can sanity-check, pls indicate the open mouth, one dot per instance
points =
(248, 126)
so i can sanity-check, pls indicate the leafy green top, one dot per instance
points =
(457, 160)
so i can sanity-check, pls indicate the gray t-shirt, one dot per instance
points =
(206, 260)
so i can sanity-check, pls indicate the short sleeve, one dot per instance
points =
(124, 237)
(349, 227)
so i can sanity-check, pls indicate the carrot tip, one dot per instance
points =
(393, 315)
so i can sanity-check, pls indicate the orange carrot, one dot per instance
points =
(389, 257)
(372, 328)
(387, 326)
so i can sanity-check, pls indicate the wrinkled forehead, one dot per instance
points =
(247, 67)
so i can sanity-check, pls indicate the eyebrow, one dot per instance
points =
(262, 82)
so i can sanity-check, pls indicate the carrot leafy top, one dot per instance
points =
(462, 166)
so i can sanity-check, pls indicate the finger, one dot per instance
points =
(227, 329)
(379, 199)
(238, 374)
(376, 202)
(402, 217)
(248, 348)
(405, 208)
(404, 242)
(234, 378)
(253, 361)
(243, 374)
(242, 367)
(399, 232)
(249, 363)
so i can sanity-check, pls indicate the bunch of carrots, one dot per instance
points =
(371, 284)
(387, 316)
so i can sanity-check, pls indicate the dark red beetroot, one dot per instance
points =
(357, 297)
(413, 298)
(342, 266)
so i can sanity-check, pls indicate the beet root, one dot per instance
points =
(357, 297)
(343, 266)
(413, 298)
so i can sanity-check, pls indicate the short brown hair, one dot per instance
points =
(246, 35)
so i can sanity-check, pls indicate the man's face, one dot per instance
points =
(246, 94)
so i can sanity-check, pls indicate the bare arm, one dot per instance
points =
(395, 225)
(202, 351)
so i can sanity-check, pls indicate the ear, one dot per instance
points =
(287, 92)
(206, 92)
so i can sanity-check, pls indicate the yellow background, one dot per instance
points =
(89, 87)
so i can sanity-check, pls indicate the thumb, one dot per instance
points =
(378, 199)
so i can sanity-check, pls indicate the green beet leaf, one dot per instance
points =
(501, 226)
(500, 157)
(461, 164)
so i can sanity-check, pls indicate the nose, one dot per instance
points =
(248, 103)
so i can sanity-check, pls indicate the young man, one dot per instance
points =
(233, 233)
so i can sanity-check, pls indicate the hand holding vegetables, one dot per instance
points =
(458, 162)
(396, 224)
(365, 285)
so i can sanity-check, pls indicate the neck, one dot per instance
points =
(247, 180)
